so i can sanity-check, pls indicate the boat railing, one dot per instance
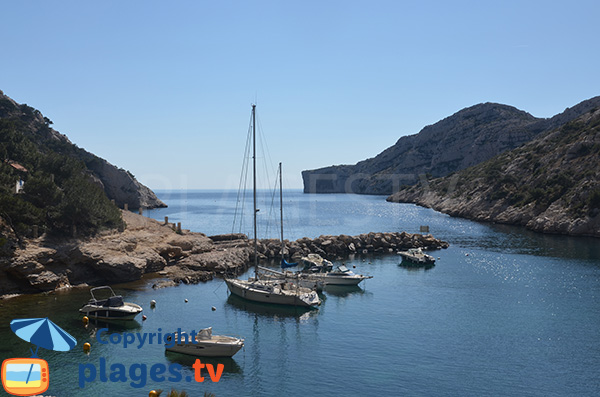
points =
(96, 289)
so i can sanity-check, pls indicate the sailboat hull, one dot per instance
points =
(267, 293)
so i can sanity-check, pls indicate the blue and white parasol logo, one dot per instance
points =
(43, 333)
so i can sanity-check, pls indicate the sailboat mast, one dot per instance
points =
(281, 211)
(254, 187)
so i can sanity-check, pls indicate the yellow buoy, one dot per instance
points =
(153, 393)
(85, 320)
(86, 347)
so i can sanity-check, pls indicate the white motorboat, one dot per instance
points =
(417, 256)
(205, 344)
(315, 263)
(111, 308)
(315, 279)
(340, 276)
(281, 292)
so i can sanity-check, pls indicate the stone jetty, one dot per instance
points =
(340, 247)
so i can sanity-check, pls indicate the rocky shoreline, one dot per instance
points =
(148, 246)
(556, 219)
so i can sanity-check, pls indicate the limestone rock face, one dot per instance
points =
(466, 138)
(118, 184)
(550, 184)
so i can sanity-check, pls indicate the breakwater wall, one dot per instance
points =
(332, 247)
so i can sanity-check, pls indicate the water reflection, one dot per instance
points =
(270, 310)
(343, 291)
(229, 364)
(411, 266)
(115, 326)
(519, 240)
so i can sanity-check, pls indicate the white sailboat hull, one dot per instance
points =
(266, 293)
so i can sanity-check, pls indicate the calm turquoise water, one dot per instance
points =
(503, 312)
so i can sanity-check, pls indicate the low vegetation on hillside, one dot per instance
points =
(58, 194)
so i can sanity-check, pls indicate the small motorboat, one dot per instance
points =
(111, 308)
(314, 263)
(340, 276)
(314, 279)
(205, 344)
(417, 257)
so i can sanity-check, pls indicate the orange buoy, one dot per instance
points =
(85, 320)
(86, 347)
(153, 393)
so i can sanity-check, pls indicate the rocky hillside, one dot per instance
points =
(551, 184)
(466, 138)
(118, 184)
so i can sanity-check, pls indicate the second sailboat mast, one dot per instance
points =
(254, 188)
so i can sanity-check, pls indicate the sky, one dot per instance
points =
(164, 89)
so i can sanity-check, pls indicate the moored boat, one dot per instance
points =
(417, 257)
(315, 263)
(278, 292)
(340, 276)
(205, 344)
(111, 308)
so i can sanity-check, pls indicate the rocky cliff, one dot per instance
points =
(118, 184)
(466, 138)
(550, 184)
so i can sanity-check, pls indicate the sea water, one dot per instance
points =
(504, 311)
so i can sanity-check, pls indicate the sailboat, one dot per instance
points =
(279, 291)
(296, 278)
(317, 271)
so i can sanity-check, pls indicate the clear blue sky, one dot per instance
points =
(163, 88)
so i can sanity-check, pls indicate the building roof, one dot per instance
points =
(16, 166)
